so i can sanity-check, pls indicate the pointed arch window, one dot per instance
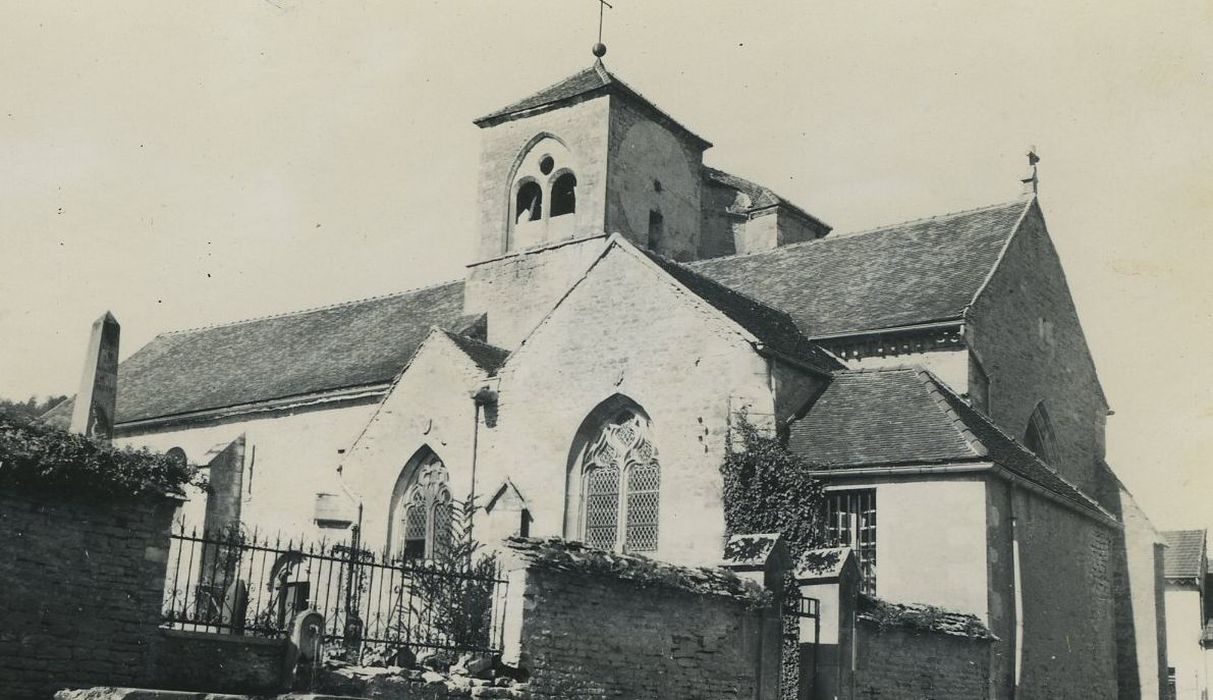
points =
(421, 519)
(1038, 436)
(621, 485)
(542, 194)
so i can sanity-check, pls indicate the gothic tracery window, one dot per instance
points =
(422, 520)
(621, 489)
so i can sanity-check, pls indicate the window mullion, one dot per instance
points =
(621, 514)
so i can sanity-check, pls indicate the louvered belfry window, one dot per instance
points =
(621, 486)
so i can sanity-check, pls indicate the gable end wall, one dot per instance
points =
(1025, 330)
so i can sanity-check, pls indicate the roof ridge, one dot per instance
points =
(923, 219)
(836, 235)
(935, 387)
(313, 309)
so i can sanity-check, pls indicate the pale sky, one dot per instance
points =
(183, 164)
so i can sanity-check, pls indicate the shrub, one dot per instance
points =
(39, 458)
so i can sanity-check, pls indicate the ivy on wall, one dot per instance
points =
(768, 488)
(39, 458)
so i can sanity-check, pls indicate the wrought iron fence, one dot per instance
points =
(377, 607)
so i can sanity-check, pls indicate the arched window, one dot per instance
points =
(564, 195)
(421, 512)
(1038, 436)
(620, 482)
(542, 192)
(529, 206)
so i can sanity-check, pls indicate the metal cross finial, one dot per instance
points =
(600, 48)
(1031, 183)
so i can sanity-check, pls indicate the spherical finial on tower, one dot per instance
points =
(599, 49)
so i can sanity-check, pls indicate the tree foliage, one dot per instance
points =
(30, 408)
(768, 488)
(39, 458)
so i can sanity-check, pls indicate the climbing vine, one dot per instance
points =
(768, 488)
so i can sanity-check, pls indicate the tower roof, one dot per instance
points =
(584, 85)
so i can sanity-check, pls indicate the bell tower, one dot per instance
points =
(585, 156)
(561, 169)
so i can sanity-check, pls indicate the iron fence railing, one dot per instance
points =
(377, 607)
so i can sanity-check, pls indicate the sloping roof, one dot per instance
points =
(905, 415)
(822, 563)
(759, 197)
(915, 272)
(358, 343)
(1185, 554)
(583, 84)
(771, 326)
(487, 357)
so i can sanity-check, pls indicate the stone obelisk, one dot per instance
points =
(93, 412)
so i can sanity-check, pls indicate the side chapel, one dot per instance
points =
(627, 303)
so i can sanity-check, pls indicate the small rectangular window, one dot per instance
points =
(851, 522)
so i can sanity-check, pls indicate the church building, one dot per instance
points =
(627, 305)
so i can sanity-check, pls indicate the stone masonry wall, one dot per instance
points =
(1067, 588)
(1025, 330)
(595, 636)
(80, 592)
(902, 664)
(583, 128)
(664, 350)
(653, 169)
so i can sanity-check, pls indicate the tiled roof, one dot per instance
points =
(354, 344)
(771, 326)
(915, 272)
(487, 357)
(904, 415)
(759, 197)
(1184, 557)
(585, 83)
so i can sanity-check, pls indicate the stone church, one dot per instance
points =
(627, 304)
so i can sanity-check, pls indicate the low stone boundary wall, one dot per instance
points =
(80, 591)
(900, 663)
(595, 624)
